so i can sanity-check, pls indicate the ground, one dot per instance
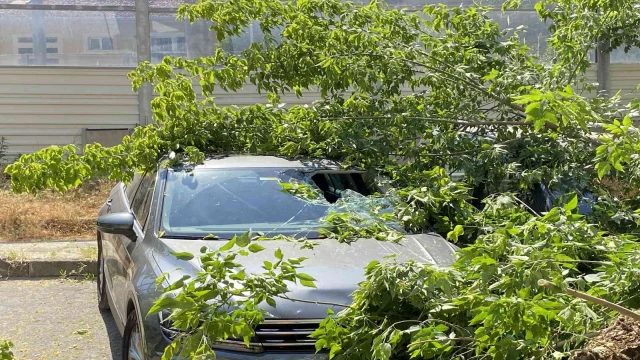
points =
(51, 216)
(619, 341)
(56, 319)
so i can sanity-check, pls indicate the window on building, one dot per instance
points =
(29, 40)
(181, 44)
(25, 46)
(100, 43)
(163, 46)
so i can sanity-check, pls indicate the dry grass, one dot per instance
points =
(51, 216)
(619, 189)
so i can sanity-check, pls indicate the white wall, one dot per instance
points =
(41, 106)
(624, 78)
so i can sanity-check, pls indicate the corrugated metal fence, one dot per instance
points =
(42, 106)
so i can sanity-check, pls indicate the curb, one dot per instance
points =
(46, 268)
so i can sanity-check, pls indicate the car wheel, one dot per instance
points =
(132, 348)
(103, 302)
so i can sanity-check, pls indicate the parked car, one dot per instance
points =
(173, 209)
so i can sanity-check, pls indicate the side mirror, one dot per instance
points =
(118, 224)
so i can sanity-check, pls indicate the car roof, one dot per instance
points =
(259, 161)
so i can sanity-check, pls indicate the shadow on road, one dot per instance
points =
(115, 340)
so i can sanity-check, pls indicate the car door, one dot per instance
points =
(119, 201)
(124, 246)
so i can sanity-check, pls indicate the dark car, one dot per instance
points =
(173, 209)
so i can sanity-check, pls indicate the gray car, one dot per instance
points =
(173, 209)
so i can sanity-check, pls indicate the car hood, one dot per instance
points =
(337, 267)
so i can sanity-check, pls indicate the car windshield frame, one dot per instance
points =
(312, 232)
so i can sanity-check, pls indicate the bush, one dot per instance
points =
(5, 350)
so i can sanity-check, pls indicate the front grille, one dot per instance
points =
(274, 335)
(287, 335)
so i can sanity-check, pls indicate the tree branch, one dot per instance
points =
(314, 302)
(442, 120)
(596, 300)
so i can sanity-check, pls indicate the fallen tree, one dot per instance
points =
(409, 95)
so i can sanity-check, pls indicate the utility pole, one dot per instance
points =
(143, 41)
(39, 36)
(603, 59)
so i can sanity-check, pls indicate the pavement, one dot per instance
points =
(47, 258)
(56, 319)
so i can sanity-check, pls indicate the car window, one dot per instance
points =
(142, 199)
(130, 190)
(334, 184)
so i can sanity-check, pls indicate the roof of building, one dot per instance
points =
(16, 11)
(152, 3)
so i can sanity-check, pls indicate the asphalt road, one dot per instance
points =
(56, 319)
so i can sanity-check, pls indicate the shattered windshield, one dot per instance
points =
(227, 202)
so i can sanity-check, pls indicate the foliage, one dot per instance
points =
(222, 302)
(5, 350)
(301, 190)
(415, 97)
(488, 302)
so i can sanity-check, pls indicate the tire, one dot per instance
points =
(103, 301)
(131, 336)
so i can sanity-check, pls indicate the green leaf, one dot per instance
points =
(308, 283)
(240, 275)
(385, 351)
(178, 284)
(455, 233)
(592, 278)
(572, 203)
(533, 109)
(171, 351)
(335, 349)
(164, 302)
(210, 237)
(229, 245)
(183, 255)
(492, 75)
(243, 240)
(602, 168)
(254, 248)
(297, 261)
(278, 254)
(271, 302)
(303, 276)
(203, 249)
